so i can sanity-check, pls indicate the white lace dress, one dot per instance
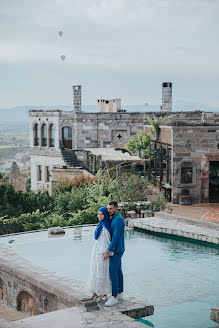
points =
(99, 280)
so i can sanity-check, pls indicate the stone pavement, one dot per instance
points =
(76, 317)
(10, 314)
(197, 211)
(212, 215)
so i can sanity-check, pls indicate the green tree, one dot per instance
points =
(140, 144)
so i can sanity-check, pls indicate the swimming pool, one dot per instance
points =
(179, 278)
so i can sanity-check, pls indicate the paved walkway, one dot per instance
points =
(76, 317)
(199, 211)
(10, 314)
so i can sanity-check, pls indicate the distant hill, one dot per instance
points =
(20, 113)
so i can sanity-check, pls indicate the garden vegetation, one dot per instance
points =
(73, 202)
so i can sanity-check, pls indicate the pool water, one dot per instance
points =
(179, 278)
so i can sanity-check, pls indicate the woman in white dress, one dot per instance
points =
(99, 282)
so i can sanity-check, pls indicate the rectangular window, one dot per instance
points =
(186, 175)
(39, 172)
(46, 173)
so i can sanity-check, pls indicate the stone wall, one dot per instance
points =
(194, 146)
(34, 290)
(107, 129)
(60, 174)
(166, 134)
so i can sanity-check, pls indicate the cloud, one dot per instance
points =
(141, 39)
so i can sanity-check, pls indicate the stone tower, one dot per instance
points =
(77, 98)
(166, 97)
(16, 179)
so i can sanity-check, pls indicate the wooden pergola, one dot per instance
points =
(118, 157)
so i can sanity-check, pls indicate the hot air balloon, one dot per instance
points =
(63, 57)
(60, 33)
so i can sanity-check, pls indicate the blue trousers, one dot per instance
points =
(116, 275)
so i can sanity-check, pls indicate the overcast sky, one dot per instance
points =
(113, 48)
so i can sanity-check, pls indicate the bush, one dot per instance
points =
(32, 221)
(87, 216)
(76, 182)
(8, 225)
(69, 202)
(53, 220)
(11, 202)
(14, 203)
(158, 203)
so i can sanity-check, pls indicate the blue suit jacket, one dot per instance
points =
(117, 244)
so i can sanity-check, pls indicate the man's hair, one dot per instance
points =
(112, 202)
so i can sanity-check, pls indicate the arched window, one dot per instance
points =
(3, 291)
(51, 135)
(26, 303)
(44, 135)
(67, 137)
(36, 135)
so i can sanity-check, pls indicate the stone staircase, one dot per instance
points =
(70, 158)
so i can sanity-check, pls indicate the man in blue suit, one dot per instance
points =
(115, 252)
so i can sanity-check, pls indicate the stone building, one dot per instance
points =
(186, 157)
(186, 151)
(55, 135)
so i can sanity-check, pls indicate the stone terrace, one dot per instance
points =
(50, 292)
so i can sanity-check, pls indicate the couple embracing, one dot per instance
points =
(106, 276)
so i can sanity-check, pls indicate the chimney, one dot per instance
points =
(166, 97)
(77, 98)
(109, 105)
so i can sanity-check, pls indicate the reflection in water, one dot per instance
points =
(77, 234)
(174, 245)
(59, 235)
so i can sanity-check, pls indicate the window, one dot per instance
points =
(39, 172)
(51, 136)
(36, 135)
(186, 175)
(47, 175)
(44, 135)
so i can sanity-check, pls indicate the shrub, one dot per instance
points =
(77, 181)
(86, 216)
(14, 203)
(53, 220)
(10, 225)
(158, 203)
(70, 201)
(32, 221)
